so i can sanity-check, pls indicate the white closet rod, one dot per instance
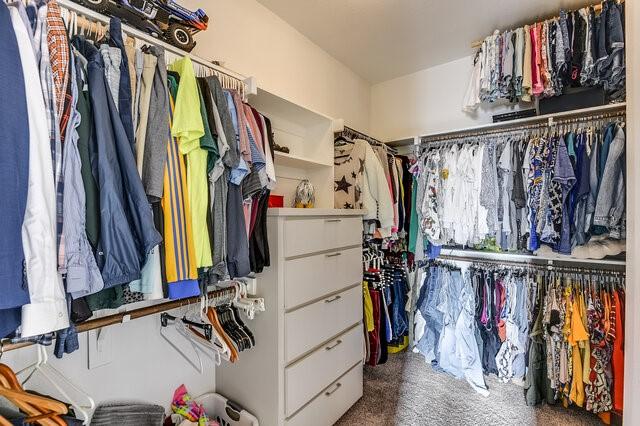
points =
(141, 35)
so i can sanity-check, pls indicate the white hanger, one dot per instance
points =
(49, 372)
(179, 326)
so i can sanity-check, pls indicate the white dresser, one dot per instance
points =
(306, 368)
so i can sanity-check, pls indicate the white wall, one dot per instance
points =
(253, 41)
(427, 101)
(143, 368)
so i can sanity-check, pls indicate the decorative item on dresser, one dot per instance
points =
(310, 371)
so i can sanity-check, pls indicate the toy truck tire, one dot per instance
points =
(98, 5)
(180, 36)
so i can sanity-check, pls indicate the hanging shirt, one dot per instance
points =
(180, 255)
(188, 128)
(15, 178)
(360, 182)
(47, 310)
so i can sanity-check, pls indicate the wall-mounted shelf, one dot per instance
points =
(519, 122)
(309, 137)
(477, 255)
(290, 160)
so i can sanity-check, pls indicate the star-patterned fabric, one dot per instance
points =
(360, 183)
(348, 175)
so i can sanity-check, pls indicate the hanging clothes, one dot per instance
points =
(527, 192)
(575, 49)
(360, 182)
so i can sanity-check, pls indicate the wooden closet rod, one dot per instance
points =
(126, 316)
(597, 7)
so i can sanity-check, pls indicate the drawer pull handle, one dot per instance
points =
(329, 393)
(338, 297)
(333, 220)
(328, 348)
(333, 255)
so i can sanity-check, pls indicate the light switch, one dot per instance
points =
(100, 347)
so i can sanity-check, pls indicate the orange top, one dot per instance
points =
(617, 361)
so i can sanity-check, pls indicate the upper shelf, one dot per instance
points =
(290, 160)
(284, 108)
(519, 122)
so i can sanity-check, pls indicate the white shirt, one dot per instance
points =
(375, 190)
(47, 311)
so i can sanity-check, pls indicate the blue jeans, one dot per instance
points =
(428, 306)
(399, 321)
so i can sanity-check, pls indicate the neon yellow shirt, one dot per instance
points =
(188, 129)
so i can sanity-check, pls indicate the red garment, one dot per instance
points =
(374, 336)
(617, 360)
(537, 87)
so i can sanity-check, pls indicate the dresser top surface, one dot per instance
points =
(284, 212)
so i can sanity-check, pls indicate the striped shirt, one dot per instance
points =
(180, 258)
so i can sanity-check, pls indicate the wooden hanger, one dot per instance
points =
(41, 410)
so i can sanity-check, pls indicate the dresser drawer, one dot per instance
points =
(309, 278)
(307, 327)
(326, 408)
(309, 376)
(306, 236)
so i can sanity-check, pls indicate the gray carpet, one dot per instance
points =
(406, 391)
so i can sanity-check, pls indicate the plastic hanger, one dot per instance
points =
(163, 326)
(222, 336)
(41, 410)
(54, 377)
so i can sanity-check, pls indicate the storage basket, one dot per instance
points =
(224, 411)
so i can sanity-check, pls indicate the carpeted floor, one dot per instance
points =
(406, 391)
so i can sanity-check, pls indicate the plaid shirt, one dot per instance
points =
(59, 88)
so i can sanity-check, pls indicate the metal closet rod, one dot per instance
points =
(135, 33)
(537, 266)
(126, 316)
(352, 133)
(515, 128)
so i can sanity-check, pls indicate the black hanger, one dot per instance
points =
(206, 328)
(246, 329)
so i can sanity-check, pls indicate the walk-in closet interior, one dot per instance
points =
(305, 212)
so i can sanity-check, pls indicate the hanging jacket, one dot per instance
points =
(83, 275)
(14, 178)
(47, 310)
(124, 91)
(127, 233)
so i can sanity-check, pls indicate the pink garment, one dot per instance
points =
(247, 215)
(245, 150)
(537, 87)
(253, 125)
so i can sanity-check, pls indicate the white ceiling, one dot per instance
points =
(384, 39)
